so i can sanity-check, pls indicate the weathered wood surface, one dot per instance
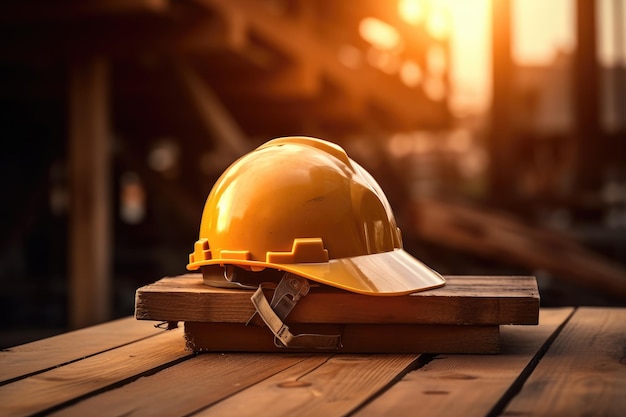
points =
(470, 383)
(355, 338)
(44, 391)
(583, 373)
(59, 350)
(334, 388)
(571, 363)
(192, 385)
(467, 300)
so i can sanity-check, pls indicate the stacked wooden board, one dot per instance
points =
(464, 316)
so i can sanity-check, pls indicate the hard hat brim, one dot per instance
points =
(387, 273)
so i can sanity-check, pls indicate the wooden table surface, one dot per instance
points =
(572, 364)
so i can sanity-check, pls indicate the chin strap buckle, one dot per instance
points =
(286, 295)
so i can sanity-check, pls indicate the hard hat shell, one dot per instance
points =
(301, 205)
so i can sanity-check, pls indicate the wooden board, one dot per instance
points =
(583, 373)
(571, 364)
(467, 300)
(497, 235)
(45, 390)
(471, 385)
(355, 338)
(334, 388)
(39, 356)
(191, 385)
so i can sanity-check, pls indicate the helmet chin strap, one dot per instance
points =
(286, 295)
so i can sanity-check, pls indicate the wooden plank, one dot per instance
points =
(90, 202)
(42, 392)
(334, 388)
(214, 116)
(583, 372)
(192, 385)
(230, 34)
(366, 85)
(58, 350)
(355, 338)
(468, 300)
(497, 235)
(468, 385)
(296, 80)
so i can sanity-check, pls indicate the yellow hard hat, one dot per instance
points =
(302, 206)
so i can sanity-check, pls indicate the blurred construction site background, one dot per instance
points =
(497, 128)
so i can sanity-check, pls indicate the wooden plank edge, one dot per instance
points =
(355, 338)
(187, 299)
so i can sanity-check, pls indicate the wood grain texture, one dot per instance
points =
(54, 351)
(43, 391)
(571, 364)
(189, 386)
(355, 338)
(463, 300)
(468, 385)
(584, 371)
(333, 388)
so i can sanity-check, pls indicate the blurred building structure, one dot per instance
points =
(557, 152)
(566, 115)
(118, 116)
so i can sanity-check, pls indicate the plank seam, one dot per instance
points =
(316, 367)
(419, 362)
(243, 388)
(40, 371)
(519, 382)
(112, 386)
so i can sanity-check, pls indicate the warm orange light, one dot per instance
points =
(350, 56)
(438, 24)
(435, 88)
(465, 24)
(381, 35)
(410, 74)
(383, 60)
(411, 11)
(436, 60)
(132, 198)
